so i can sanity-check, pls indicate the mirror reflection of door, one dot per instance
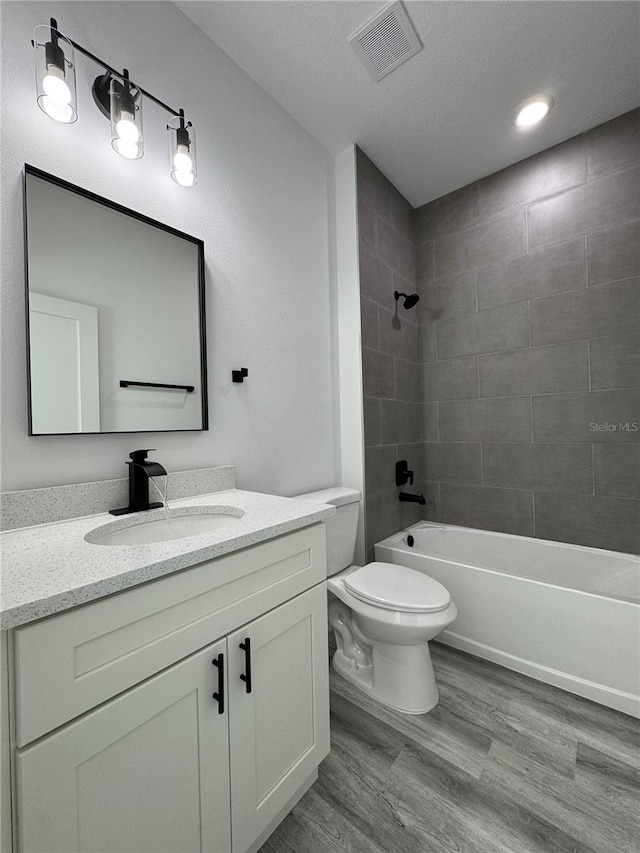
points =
(65, 389)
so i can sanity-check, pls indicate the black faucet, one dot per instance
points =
(403, 474)
(140, 470)
(412, 499)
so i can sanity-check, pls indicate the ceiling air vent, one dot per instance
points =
(386, 41)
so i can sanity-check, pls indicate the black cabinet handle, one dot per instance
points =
(246, 675)
(218, 662)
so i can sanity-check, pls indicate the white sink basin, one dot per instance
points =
(164, 525)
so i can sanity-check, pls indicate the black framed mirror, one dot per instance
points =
(116, 333)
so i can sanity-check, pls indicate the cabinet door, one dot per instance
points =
(279, 732)
(148, 771)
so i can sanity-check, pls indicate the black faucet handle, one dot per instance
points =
(138, 456)
(403, 474)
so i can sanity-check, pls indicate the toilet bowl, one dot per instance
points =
(383, 616)
(382, 642)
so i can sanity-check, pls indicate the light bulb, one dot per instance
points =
(185, 179)
(182, 159)
(126, 149)
(532, 111)
(126, 129)
(59, 112)
(55, 87)
(182, 151)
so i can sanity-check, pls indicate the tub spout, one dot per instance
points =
(412, 499)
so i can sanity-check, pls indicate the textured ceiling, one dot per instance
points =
(443, 119)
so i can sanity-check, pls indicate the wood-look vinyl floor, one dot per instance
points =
(503, 764)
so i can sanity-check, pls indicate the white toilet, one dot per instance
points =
(383, 615)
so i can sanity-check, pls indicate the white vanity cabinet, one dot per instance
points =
(148, 771)
(160, 763)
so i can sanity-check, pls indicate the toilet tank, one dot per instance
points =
(341, 527)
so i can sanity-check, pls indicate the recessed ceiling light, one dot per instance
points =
(532, 111)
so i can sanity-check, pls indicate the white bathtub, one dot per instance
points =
(564, 614)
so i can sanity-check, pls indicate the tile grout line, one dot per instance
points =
(546, 490)
(586, 261)
(567, 342)
(475, 286)
(548, 296)
(531, 416)
(568, 238)
(433, 259)
(514, 396)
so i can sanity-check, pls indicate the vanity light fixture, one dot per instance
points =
(183, 151)
(120, 100)
(55, 73)
(117, 97)
(532, 111)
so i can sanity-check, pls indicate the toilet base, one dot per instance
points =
(400, 677)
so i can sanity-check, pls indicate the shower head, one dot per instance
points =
(409, 300)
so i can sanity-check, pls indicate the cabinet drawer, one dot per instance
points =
(69, 663)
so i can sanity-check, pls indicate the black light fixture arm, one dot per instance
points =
(109, 68)
(54, 53)
(182, 132)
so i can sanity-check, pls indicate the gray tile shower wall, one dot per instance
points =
(529, 345)
(391, 382)
(513, 390)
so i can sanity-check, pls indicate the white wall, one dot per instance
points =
(349, 344)
(261, 207)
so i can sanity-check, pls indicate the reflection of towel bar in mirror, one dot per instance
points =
(125, 383)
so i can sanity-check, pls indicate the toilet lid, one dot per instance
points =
(397, 588)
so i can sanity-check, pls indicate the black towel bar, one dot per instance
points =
(125, 383)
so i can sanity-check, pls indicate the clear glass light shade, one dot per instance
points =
(126, 119)
(184, 165)
(532, 111)
(55, 74)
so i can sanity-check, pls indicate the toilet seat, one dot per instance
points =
(396, 587)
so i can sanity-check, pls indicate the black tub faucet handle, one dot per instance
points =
(403, 474)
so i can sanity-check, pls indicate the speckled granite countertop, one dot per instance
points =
(50, 567)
